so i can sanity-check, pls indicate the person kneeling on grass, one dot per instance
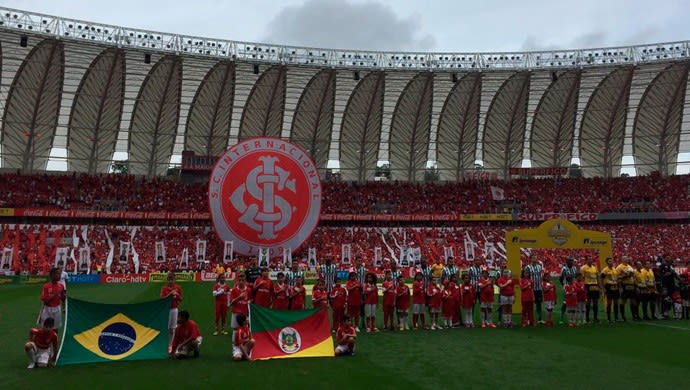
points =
(345, 337)
(187, 339)
(42, 345)
(243, 343)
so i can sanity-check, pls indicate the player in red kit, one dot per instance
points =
(468, 297)
(527, 299)
(486, 299)
(402, 303)
(549, 292)
(434, 301)
(371, 300)
(242, 342)
(354, 298)
(345, 337)
(263, 289)
(319, 295)
(388, 300)
(338, 299)
(187, 339)
(281, 293)
(221, 292)
(42, 347)
(298, 294)
(418, 301)
(174, 291)
(52, 295)
(240, 296)
(506, 297)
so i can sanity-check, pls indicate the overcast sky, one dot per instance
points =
(428, 25)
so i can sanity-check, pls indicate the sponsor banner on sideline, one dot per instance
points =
(33, 279)
(124, 278)
(8, 279)
(211, 276)
(84, 279)
(162, 277)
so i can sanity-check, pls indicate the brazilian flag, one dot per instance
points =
(98, 332)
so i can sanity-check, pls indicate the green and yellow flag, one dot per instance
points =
(290, 334)
(98, 332)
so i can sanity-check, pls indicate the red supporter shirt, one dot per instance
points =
(43, 338)
(242, 335)
(388, 293)
(354, 293)
(239, 302)
(52, 294)
(468, 295)
(581, 292)
(549, 291)
(527, 290)
(509, 289)
(222, 298)
(342, 331)
(371, 292)
(338, 296)
(299, 294)
(280, 297)
(570, 295)
(263, 289)
(184, 332)
(319, 298)
(486, 290)
(418, 293)
(454, 293)
(434, 296)
(402, 300)
(175, 300)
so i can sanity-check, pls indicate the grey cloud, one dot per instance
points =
(343, 24)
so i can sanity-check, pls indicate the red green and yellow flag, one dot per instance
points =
(290, 334)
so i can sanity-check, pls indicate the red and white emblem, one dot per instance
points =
(264, 193)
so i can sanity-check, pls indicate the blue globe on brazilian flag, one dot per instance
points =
(97, 332)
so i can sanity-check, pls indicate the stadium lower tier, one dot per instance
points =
(35, 248)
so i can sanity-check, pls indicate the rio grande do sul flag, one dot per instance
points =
(290, 334)
(98, 332)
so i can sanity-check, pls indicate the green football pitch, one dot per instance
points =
(629, 355)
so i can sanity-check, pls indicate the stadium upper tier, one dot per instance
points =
(128, 193)
(83, 94)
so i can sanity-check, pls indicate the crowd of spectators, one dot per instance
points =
(36, 245)
(567, 195)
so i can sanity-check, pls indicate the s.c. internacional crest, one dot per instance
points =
(264, 193)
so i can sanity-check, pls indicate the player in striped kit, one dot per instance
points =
(567, 271)
(474, 272)
(449, 270)
(361, 272)
(536, 272)
(327, 272)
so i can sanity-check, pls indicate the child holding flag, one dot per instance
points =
(280, 293)
(345, 337)
(319, 295)
(171, 289)
(42, 347)
(243, 342)
(486, 299)
(187, 339)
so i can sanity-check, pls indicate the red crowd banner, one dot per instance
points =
(578, 217)
(124, 278)
(557, 171)
(48, 213)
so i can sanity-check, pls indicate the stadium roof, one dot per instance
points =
(87, 93)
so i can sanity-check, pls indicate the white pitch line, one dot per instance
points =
(663, 326)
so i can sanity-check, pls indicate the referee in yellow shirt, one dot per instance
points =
(626, 278)
(590, 274)
(609, 277)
